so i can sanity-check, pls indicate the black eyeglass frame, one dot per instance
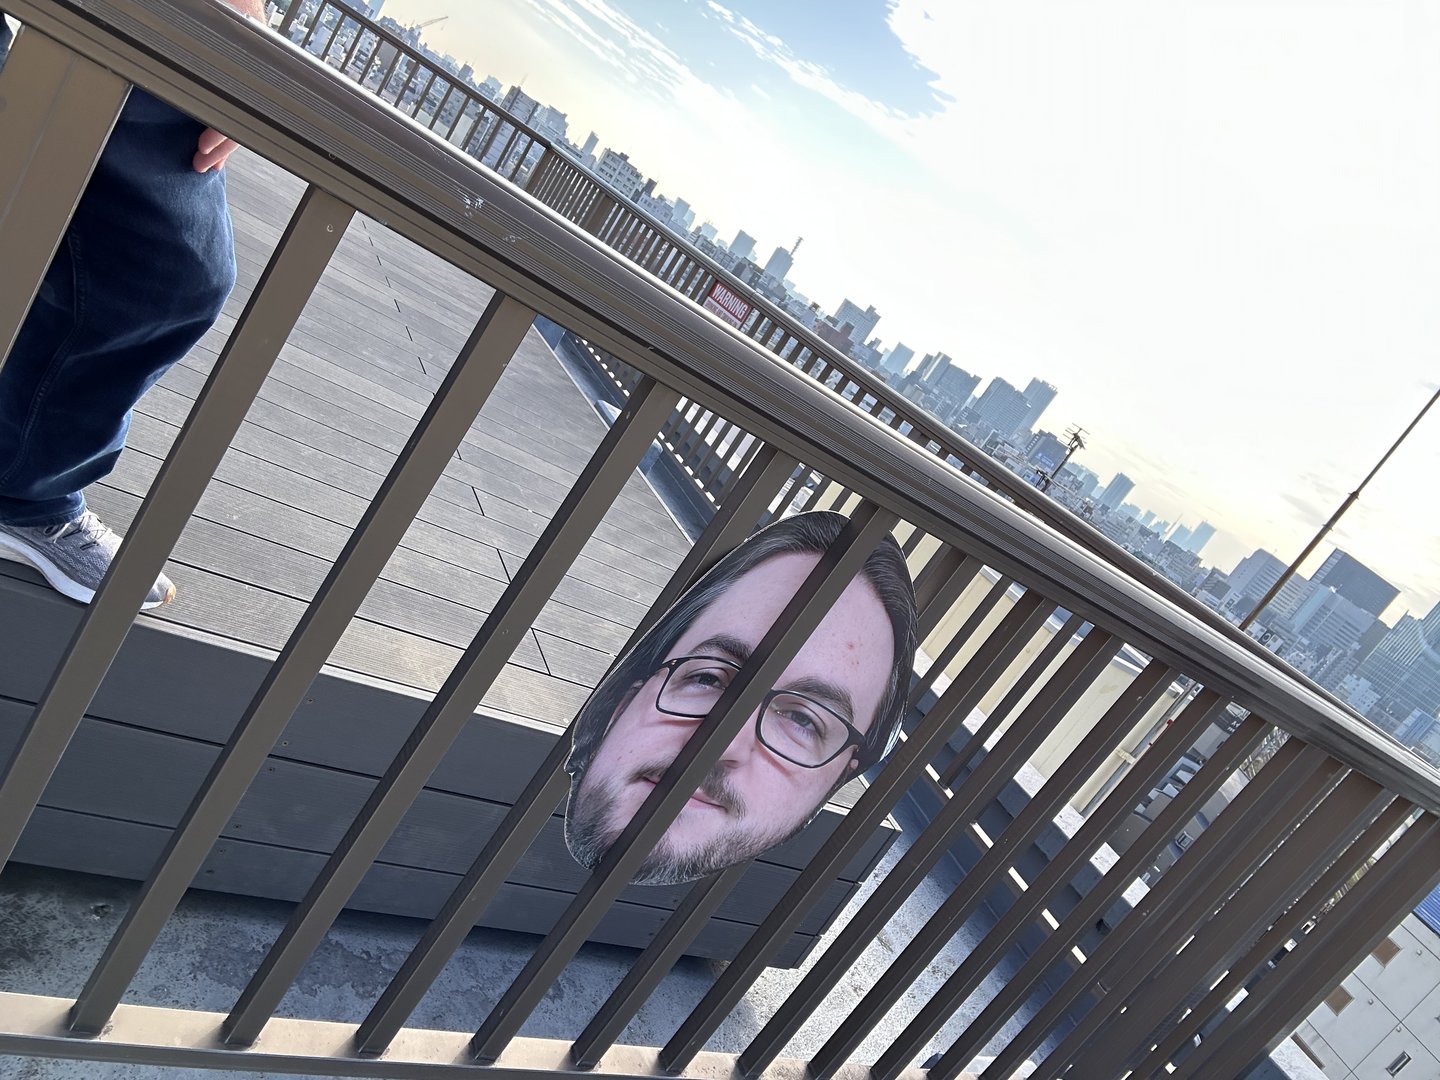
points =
(856, 739)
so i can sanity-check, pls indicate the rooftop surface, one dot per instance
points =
(360, 368)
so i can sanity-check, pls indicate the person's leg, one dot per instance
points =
(142, 272)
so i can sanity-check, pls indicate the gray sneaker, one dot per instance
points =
(74, 557)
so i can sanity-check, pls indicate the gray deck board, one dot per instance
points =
(348, 387)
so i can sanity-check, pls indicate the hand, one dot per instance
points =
(212, 151)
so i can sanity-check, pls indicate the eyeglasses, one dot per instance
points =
(797, 728)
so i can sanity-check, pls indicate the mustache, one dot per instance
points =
(715, 786)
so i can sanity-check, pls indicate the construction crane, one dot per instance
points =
(428, 22)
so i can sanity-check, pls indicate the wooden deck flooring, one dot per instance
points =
(348, 388)
(361, 367)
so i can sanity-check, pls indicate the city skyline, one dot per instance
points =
(1229, 275)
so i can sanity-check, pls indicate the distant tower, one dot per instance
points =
(1116, 490)
(591, 141)
(898, 357)
(1039, 395)
(743, 246)
(1356, 582)
(1003, 408)
(1254, 576)
(862, 319)
(1200, 537)
(781, 262)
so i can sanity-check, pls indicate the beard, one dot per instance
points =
(591, 829)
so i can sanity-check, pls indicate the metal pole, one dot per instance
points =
(1294, 567)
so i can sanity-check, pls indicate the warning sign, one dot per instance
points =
(728, 304)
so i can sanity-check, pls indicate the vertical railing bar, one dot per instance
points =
(913, 541)
(1401, 879)
(364, 557)
(349, 57)
(751, 453)
(459, 115)
(294, 268)
(424, 94)
(1096, 829)
(389, 74)
(584, 507)
(719, 447)
(330, 42)
(1132, 703)
(822, 587)
(522, 823)
(1079, 671)
(962, 637)
(731, 524)
(651, 967)
(1155, 1004)
(1284, 928)
(995, 654)
(1299, 780)
(60, 109)
(817, 496)
(1013, 696)
(940, 583)
(695, 437)
(676, 422)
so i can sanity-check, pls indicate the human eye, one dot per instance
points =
(702, 675)
(800, 720)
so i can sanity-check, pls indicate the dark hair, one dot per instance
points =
(808, 533)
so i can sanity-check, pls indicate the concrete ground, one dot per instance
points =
(54, 925)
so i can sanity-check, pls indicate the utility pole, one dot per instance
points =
(1294, 567)
(1075, 440)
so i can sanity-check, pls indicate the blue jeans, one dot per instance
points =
(141, 273)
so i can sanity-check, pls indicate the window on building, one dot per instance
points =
(1399, 1063)
(1386, 951)
(1338, 999)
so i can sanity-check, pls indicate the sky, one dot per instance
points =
(1214, 226)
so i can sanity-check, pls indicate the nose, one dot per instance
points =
(741, 747)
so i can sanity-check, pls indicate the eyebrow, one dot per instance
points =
(825, 691)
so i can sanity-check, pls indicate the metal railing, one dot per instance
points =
(1186, 983)
(709, 449)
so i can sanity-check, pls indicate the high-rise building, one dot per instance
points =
(957, 383)
(550, 122)
(1356, 582)
(743, 246)
(898, 358)
(779, 265)
(519, 104)
(1039, 394)
(1003, 408)
(1199, 537)
(1120, 485)
(930, 368)
(862, 319)
(591, 141)
(1253, 576)
(1404, 668)
(615, 170)
(1180, 537)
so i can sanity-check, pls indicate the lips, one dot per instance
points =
(697, 799)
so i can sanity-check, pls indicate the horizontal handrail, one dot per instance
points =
(768, 323)
(1028, 624)
(223, 69)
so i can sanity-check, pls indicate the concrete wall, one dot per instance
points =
(1394, 1009)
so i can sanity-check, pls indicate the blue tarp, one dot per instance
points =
(1428, 911)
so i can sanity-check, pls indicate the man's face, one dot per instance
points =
(753, 798)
